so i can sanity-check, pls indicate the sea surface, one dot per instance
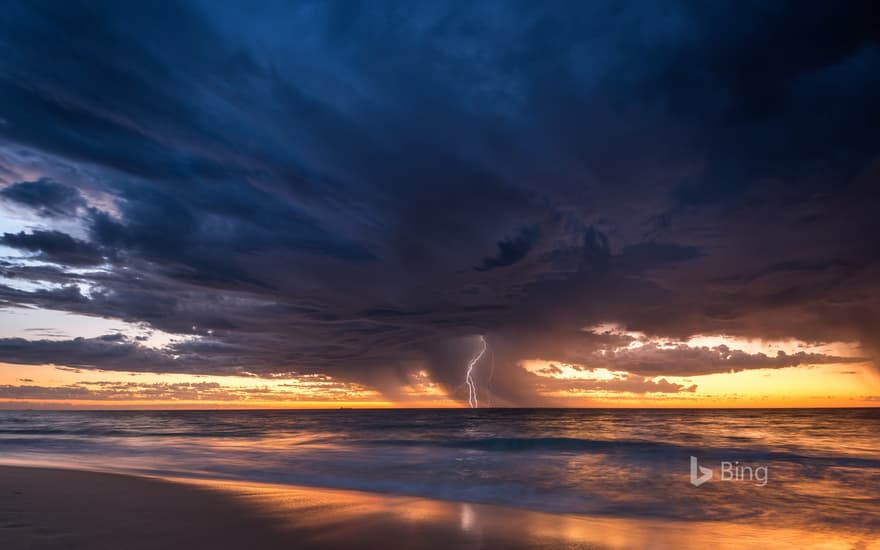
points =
(822, 466)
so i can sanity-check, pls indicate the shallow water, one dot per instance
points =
(822, 466)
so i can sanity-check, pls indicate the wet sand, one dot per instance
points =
(52, 509)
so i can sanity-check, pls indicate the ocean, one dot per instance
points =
(817, 469)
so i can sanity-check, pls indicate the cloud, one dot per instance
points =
(56, 247)
(512, 250)
(358, 193)
(683, 360)
(550, 369)
(627, 384)
(112, 392)
(46, 196)
(552, 383)
(303, 390)
(101, 352)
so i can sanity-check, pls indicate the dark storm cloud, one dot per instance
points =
(85, 352)
(119, 352)
(55, 246)
(49, 198)
(648, 255)
(355, 189)
(512, 250)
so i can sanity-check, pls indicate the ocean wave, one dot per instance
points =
(632, 447)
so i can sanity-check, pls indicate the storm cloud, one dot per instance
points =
(48, 197)
(55, 246)
(357, 189)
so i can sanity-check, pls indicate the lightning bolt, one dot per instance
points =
(468, 378)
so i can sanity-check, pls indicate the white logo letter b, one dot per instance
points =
(706, 473)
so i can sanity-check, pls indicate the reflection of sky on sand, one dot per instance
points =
(334, 518)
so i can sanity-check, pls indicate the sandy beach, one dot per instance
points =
(50, 508)
(47, 508)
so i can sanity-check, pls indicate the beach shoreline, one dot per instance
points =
(44, 508)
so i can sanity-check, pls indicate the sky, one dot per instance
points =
(325, 204)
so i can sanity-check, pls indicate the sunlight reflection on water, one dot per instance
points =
(628, 464)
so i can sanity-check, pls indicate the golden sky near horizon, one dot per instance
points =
(825, 385)
(841, 377)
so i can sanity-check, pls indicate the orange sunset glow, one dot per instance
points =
(852, 382)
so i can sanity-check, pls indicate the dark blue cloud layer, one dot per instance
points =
(48, 197)
(349, 188)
